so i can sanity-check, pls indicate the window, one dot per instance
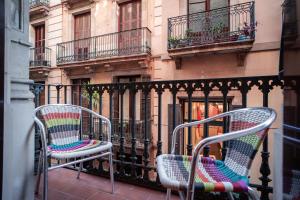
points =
(215, 107)
(130, 19)
(39, 36)
(82, 29)
(39, 52)
(82, 26)
(130, 15)
(197, 6)
(205, 5)
(206, 26)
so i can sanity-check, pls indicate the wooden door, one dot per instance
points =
(130, 19)
(39, 54)
(82, 32)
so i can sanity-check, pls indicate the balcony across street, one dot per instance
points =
(35, 3)
(135, 42)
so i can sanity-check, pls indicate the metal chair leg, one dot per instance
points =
(45, 177)
(168, 194)
(181, 195)
(39, 172)
(230, 196)
(79, 170)
(111, 171)
(253, 194)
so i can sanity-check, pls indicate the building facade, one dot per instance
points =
(79, 42)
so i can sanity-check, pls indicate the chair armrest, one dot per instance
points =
(221, 138)
(43, 136)
(106, 120)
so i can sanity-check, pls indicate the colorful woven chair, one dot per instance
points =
(247, 129)
(63, 124)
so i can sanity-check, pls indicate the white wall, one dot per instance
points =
(18, 179)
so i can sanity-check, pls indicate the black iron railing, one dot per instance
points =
(160, 119)
(124, 43)
(227, 24)
(40, 57)
(127, 130)
(34, 3)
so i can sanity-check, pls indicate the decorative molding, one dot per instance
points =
(143, 64)
(178, 63)
(108, 68)
(241, 59)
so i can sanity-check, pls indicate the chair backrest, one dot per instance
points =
(62, 123)
(241, 152)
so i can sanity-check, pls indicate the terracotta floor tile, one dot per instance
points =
(63, 185)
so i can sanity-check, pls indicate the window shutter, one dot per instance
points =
(82, 26)
(82, 29)
(40, 36)
(130, 15)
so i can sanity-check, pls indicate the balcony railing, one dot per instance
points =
(227, 24)
(160, 119)
(124, 43)
(40, 57)
(35, 3)
(127, 130)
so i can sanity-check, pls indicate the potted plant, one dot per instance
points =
(217, 31)
(234, 37)
(189, 36)
(246, 31)
(173, 42)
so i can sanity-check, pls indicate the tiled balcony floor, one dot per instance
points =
(63, 185)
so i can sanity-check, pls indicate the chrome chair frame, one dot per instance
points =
(215, 139)
(44, 153)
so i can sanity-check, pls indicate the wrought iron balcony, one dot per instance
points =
(228, 24)
(125, 43)
(40, 57)
(140, 169)
(35, 3)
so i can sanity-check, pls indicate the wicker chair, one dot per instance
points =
(247, 129)
(63, 124)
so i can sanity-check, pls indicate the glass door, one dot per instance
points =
(198, 113)
(206, 21)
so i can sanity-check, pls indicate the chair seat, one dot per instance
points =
(78, 149)
(211, 175)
